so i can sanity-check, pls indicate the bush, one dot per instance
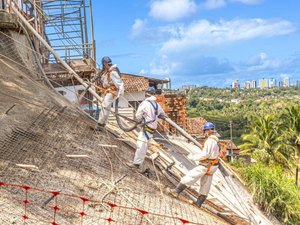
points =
(238, 162)
(274, 192)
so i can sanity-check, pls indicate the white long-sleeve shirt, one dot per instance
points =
(146, 112)
(115, 79)
(209, 151)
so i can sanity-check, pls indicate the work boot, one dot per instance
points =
(99, 127)
(133, 166)
(200, 200)
(175, 192)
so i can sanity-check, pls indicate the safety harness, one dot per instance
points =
(145, 127)
(210, 162)
(109, 89)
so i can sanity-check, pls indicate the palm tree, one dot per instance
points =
(264, 141)
(291, 118)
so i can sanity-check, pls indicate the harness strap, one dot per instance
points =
(146, 128)
(150, 130)
(147, 136)
(110, 89)
(213, 162)
(155, 109)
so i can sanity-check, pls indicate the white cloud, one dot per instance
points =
(214, 4)
(171, 10)
(162, 66)
(138, 27)
(248, 2)
(141, 32)
(203, 33)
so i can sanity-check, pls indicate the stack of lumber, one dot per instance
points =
(174, 106)
(195, 126)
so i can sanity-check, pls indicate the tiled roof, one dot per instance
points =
(134, 83)
(195, 125)
(228, 144)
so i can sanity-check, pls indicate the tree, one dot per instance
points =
(291, 118)
(264, 141)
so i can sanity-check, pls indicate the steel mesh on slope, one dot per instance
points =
(77, 175)
(54, 149)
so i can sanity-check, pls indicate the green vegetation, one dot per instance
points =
(274, 192)
(266, 125)
(238, 105)
(274, 138)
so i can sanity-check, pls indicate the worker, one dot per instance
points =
(147, 114)
(208, 162)
(113, 88)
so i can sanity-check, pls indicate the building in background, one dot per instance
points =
(247, 85)
(280, 84)
(235, 84)
(167, 86)
(253, 84)
(286, 82)
(272, 82)
(188, 87)
(263, 83)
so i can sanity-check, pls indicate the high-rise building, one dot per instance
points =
(272, 82)
(280, 84)
(253, 84)
(247, 85)
(235, 84)
(167, 86)
(286, 82)
(263, 83)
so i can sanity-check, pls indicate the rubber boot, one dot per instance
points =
(175, 192)
(200, 200)
(99, 127)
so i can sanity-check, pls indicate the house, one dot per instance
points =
(229, 149)
(135, 87)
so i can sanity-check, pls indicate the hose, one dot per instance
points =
(118, 118)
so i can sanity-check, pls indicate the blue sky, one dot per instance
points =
(202, 42)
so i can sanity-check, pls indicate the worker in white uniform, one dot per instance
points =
(208, 162)
(147, 114)
(113, 88)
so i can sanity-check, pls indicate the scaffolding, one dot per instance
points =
(68, 26)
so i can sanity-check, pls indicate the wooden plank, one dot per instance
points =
(27, 166)
(77, 156)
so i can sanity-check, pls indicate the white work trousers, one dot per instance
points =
(104, 114)
(199, 173)
(142, 147)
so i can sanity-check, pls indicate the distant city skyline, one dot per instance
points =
(260, 83)
(265, 83)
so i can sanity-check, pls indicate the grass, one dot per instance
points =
(274, 192)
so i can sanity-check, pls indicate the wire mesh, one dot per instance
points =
(50, 158)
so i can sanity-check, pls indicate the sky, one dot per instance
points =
(201, 42)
